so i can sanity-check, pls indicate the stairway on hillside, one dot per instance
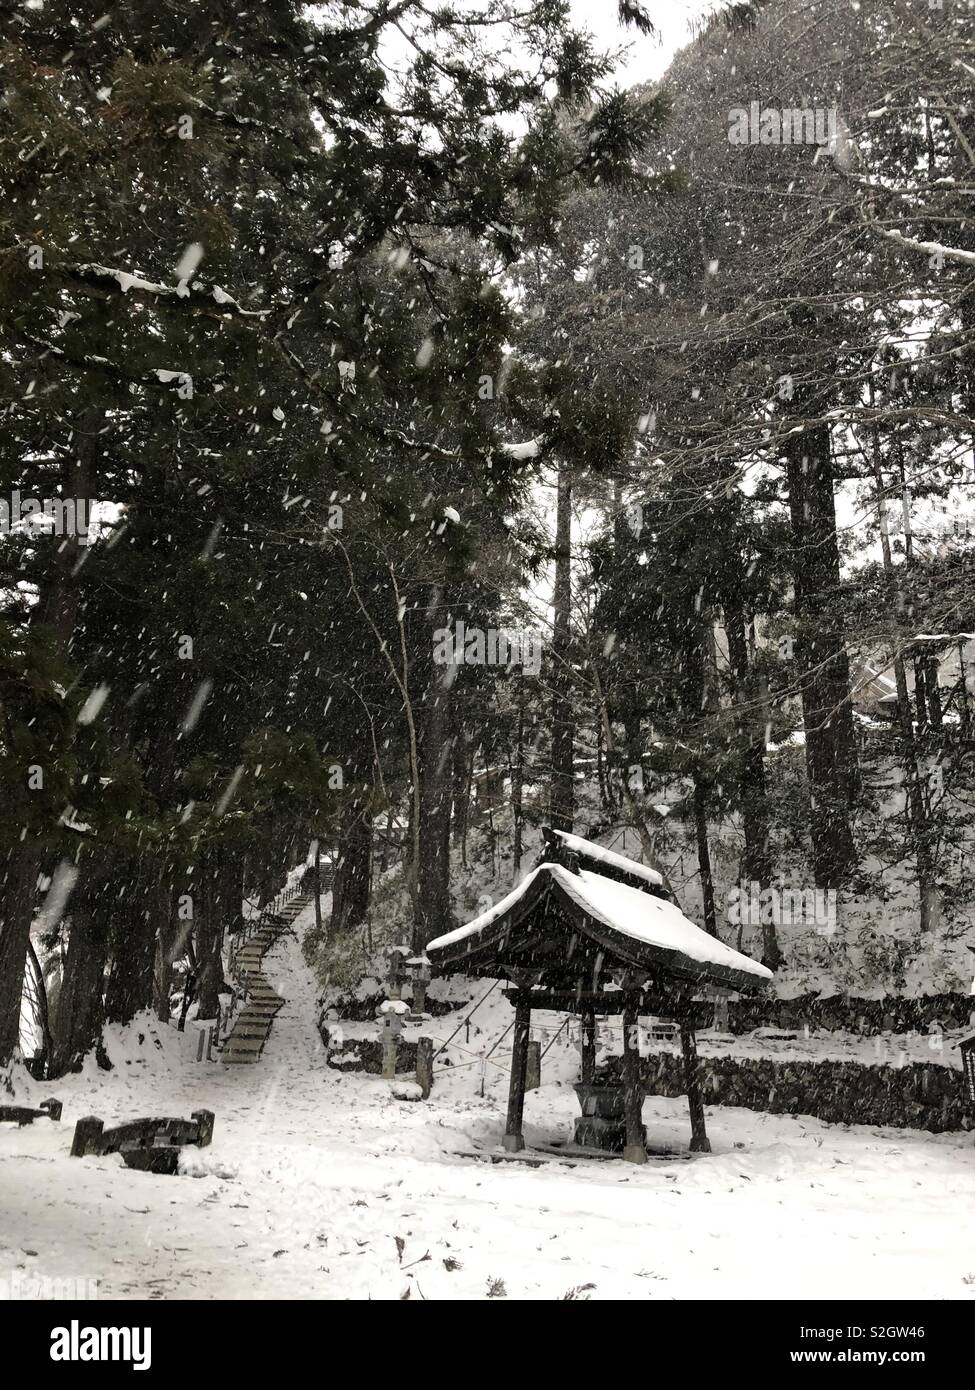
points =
(246, 1040)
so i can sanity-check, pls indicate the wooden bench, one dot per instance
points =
(26, 1114)
(152, 1145)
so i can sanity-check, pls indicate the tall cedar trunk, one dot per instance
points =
(822, 657)
(710, 703)
(704, 855)
(208, 905)
(935, 712)
(921, 693)
(916, 810)
(317, 886)
(17, 884)
(436, 757)
(562, 789)
(232, 886)
(134, 927)
(56, 611)
(168, 946)
(77, 1013)
(43, 1012)
(460, 777)
(752, 789)
(350, 887)
(517, 792)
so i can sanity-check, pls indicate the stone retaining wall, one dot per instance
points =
(916, 1096)
(849, 1014)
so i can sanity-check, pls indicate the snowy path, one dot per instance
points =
(321, 1185)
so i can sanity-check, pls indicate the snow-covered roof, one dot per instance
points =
(477, 925)
(655, 921)
(627, 912)
(587, 850)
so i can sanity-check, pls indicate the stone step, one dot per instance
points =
(252, 1028)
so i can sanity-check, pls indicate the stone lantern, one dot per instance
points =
(398, 973)
(419, 967)
(391, 1026)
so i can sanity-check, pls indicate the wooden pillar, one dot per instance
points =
(588, 1046)
(636, 1144)
(695, 1101)
(424, 1066)
(533, 1066)
(513, 1138)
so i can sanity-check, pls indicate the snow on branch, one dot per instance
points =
(182, 290)
(927, 248)
(530, 449)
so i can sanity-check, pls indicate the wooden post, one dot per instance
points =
(424, 1066)
(695, 1101)
(87, 1136)
(53, 1108)
(533, 1066)
(513, 1138)
(635, 1150)
(721, 1022)
(204, 1120)
(588, 1046)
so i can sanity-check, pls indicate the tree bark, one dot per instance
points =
(914, 799)
(562, 785)
(77, 1013)
(167, 949)
(831, 761)
(56, 610)
(436, 761)
(135, 927)
(16, 913)
(752, 790)
(317, 882)
(704, 855)
(517, 792)
(350, 887)
(209, 932)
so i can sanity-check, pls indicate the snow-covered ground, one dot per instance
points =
(321, 1184)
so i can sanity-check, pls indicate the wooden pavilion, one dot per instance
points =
(591, 932)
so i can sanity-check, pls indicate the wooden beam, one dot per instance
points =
(695, 1101)
(636, 1144)
(514, 1140)
(615, 1002)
